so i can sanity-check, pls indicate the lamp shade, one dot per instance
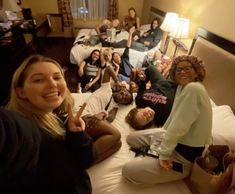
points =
(169, 21)
(180, 28)
(11, 5)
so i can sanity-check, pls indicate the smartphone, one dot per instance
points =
(177, 166)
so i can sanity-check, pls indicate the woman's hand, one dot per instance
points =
(91, 122)
(80, 72)
(144, 34)
(87, 86)
(75, 122)
(165, 164)
(146, 43)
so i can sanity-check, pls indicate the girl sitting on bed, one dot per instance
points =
(184, 135)
(131, 20)
(148, 39)
(89, 72)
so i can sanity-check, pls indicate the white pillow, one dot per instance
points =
(212, 103)
(223, 126)
(145, 27)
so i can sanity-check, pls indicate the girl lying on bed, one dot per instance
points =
(97, 117)
(149, 39)
(153, 104)
(184, 135)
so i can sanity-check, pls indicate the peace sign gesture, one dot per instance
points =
(75, 122)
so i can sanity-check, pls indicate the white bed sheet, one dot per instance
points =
(106, 176)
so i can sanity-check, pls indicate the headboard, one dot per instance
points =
(218, 55)
(156, 13)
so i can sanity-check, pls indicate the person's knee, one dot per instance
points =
(132, 141)
(116, 135)
(128, 172)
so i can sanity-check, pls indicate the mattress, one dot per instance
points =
(106, 177)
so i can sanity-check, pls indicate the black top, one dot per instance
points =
(154, 37)
(159, 97)
(125, 66)
(33, 162)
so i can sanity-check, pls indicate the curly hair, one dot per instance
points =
(131, 120)
(196, 63)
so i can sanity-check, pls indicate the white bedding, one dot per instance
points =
(106, 176)
(79, 51)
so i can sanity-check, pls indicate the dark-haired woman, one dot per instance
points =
(131, 20)
(148, 39)
(89, 72)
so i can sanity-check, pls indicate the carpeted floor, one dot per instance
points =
(56, 48)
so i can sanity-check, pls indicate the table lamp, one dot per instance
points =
(179, 31)
(167, 26)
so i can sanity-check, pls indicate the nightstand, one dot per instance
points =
(175, 48)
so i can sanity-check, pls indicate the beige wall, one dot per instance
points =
(50, 6)
(124, 5)
(216, 16)
(41, 7)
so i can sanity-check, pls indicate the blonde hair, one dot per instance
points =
(48, 121)
(107, 22)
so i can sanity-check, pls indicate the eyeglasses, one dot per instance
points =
(186, 69)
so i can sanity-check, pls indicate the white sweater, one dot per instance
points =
(190, 120)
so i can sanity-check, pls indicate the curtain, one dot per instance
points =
(64, 9)
(113, 9)
(89, 9)
(78, 8)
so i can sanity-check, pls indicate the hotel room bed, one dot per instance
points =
(80, 51)
(219, 60)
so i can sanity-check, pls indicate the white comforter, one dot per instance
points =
(106, 176)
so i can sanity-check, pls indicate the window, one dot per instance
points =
(89, 9)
